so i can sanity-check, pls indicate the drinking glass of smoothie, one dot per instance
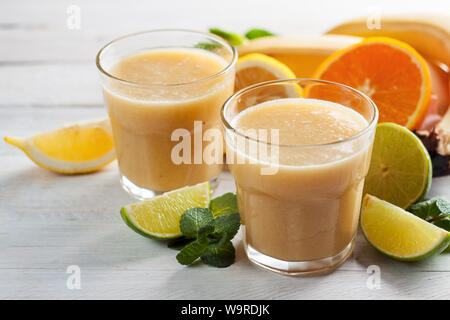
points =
(299, 151)
(161, 88)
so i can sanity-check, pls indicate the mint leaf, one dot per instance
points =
(193, 220)
(193, 251)
(258, 33)
(210, 46)
(227, 224)
(179, 243)
(219, 256)
(226, 203)
(232, 38)
(207, 237)
(217, 239)
(435, 211)
(443, 223)
(431, 208)
(443, 205)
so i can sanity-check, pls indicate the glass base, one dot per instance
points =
(143, 193)
(298, 268)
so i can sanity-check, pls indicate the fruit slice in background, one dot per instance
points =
(398, 233)
(439, 99)
(255, 68)
(159, 217)
(390, 72)
(400, 170)
(301, 54)
(428, 33)
(77, 148)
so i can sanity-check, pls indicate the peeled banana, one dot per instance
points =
(301, 54)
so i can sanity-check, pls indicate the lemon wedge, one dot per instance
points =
(77, 148)
(256, 67)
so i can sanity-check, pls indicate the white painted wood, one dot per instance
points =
(56, 84)
(37, 30)
(50, 221)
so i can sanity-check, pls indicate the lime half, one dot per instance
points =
(400, 170)
(398, 233)
(159, 217)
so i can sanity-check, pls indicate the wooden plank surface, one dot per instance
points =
(50, 221)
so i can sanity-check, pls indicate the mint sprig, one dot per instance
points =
(209, 238)
(179, 243)
(194, 220)
(226, 203)
(193, 251)
(219, 256)
(227, 225)
(236, 39)
(435, 210)
(210, 46)
(232, 38)
(257, 33)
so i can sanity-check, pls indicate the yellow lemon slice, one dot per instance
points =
(256, 67)
(76, 148)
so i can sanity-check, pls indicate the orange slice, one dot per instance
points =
(390, 72)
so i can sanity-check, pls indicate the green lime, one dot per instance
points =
(400, 171)
(398, 233)
(159, 217)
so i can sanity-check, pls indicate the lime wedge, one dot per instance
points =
(400, 170)
(159, 217)
(398, 233)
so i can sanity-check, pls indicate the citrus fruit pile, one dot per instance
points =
(397, 66)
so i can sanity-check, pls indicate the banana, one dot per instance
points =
(443, 132)
(428, 34)
(301, 54)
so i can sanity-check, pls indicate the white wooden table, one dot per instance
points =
(49, 222)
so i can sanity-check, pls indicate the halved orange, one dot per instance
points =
(390, 72)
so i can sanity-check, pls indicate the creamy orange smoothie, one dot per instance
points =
(308, 209)
(174, 88)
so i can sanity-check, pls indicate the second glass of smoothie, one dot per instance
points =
(155, 84)
(299, 151)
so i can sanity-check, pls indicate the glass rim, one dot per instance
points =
(224, 42)
(360, 133)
